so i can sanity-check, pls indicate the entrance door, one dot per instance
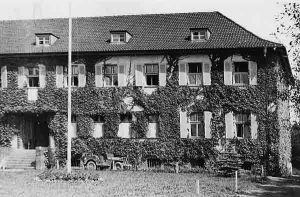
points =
(34, 131)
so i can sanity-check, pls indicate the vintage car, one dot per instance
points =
(109, 161)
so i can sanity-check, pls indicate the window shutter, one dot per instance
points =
(206, 73)
(98, 75)
(207, 123)
(162, 74)
(81, 75)
(139, 75)
(3, 77)
(184, 125)
(42, 75)
(254, 126)
(121, 76)
(229, 126)
(21, 77)
(252, 73)
(227, 72)
(59, 76)
(183, 74)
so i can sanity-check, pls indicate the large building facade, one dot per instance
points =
(167, 76)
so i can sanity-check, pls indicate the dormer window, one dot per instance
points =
(119, 36)
(45, 39)
(200, 34)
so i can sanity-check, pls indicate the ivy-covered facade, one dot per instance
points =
(208, 87)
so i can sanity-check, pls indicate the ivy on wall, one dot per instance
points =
(165, 101)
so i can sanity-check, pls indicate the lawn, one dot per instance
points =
(121, 183)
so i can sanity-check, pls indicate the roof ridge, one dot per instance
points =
(232, 21)
(109, 16)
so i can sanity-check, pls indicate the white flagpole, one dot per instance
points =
(69, 92)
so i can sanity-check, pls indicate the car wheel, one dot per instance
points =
(91, 165)
(118, 166)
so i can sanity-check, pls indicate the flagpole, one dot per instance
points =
(69, 92)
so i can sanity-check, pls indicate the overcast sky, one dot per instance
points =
(255, 15)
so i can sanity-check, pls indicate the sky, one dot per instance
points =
(258, 16)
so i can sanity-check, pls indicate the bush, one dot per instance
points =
(60, 175)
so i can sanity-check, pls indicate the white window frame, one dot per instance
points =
(152, 73)
(199, 35)
(198, 121)
(119, 37)
(43, 40)
(73, 75)
(197, 75)
(33, 76)
(113, 75)
(240, 75)
(245, 122)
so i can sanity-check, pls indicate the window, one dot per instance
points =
(98, 119)
(126, 118)
(151, 72)
(43, 40)
(73, 119)
(197, 125)
(111, 75)
(242, 124)
(200, 34)
(74, 76)
(241, 73)
(195, 74)
(153, 118)
(33, 77)
(118, 37)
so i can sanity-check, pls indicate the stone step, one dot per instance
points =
(21, 159)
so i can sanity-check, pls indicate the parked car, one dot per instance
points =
(108, 161)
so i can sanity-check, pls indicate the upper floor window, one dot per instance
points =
(152, 74)
(153, 118)
(241, 73)
(118, 37)
(242, 125)
(111, 75)
(200, 34)
(33, 76)
(197, 124)
(45, 39)
(195, 74)
(126, 118)
(98, 119)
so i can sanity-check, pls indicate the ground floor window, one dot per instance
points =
(197, 124)
(242, 125)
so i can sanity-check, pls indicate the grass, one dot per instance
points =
(121, 183)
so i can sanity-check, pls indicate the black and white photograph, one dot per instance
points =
(160, 98)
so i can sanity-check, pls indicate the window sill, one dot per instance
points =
(151, 86)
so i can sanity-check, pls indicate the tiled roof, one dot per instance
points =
(149, 32)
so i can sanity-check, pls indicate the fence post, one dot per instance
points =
(197, 187)
(236, 186)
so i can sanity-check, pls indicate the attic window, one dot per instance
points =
(119, 36)
(200, 34)
(45, 39)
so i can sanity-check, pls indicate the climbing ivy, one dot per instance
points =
(164, 101)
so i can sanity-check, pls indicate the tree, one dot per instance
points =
(288, 31)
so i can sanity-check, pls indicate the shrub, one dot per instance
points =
(60, 175)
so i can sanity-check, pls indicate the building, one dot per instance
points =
(222, 74)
